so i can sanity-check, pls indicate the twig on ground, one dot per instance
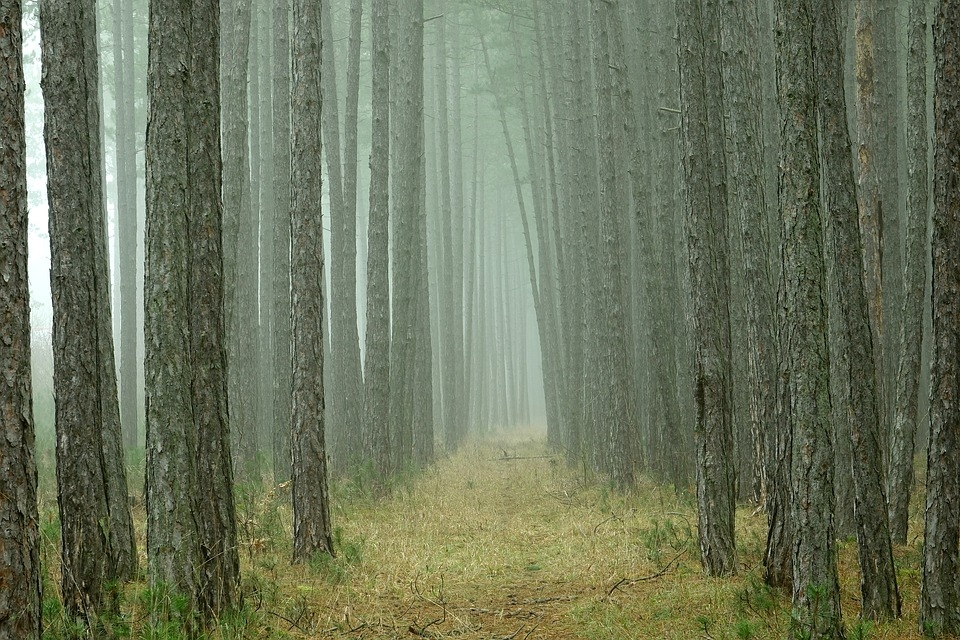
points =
(652, 576)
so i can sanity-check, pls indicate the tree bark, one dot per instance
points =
(191, 535)
(900, 475)
(98, 547)
(706, 227)
(854, 394)
(940, 592)
(19, 535)
(816, 593)
(240, 244)
(407, 127)
(311, 510)
(377, 351)
(743, 103)
(280, 303)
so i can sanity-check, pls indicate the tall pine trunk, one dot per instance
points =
(19, 535)
(98, 547)
(311, 508)
(940, 591)
(706, 227)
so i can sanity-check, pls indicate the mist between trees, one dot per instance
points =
(281, 242)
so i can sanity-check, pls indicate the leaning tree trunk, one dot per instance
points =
(854, 391)
(706, 222)
(816, 593)
(940, 593)
(19, 535)
(311, 510)
(98, 547)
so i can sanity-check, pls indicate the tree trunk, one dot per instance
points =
(940, 592)
(743, 103)
(283, 384)
(126, 179)
(816, 593)
(377, 351)
(311, 509)
(706, 214)
(191, 535)
(98, 547)
(19, 535)
(240, 244)
(407, 127)
(904, 428)
(854, 396)
(267, 203)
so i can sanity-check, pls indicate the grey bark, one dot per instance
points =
(311, 509)
(240, 244)
(701, 94)
(266, 231)
(377, 351)
(617, 404)
(940, 592)
(407, 145)
(98, 547)
(19, 535)
(743, 104)
(191, 534)
(854, 396)
(900, 475)
(280, 303)
(816, 594)
(347, 403)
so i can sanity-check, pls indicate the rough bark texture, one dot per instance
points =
(98, 547)
(311, 511)
(281, 243)
(19, 538)
(617, 405)
(743, 102)
(377, 351)
(940, 592)
(853, 388)
(816, 593)
(191, 536)
(407, 127)
(240, 247)
(904, 427)
(872, 208)
(701, 94)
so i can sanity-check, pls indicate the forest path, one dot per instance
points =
(503, 540)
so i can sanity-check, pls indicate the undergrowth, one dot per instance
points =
(501, 540)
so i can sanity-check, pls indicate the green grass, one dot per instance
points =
(483, 546)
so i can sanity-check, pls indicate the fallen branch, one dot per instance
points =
(506, 458)
(652, 576)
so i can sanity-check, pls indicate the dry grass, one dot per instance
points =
(503, 540)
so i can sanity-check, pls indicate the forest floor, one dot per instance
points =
(502, 541)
